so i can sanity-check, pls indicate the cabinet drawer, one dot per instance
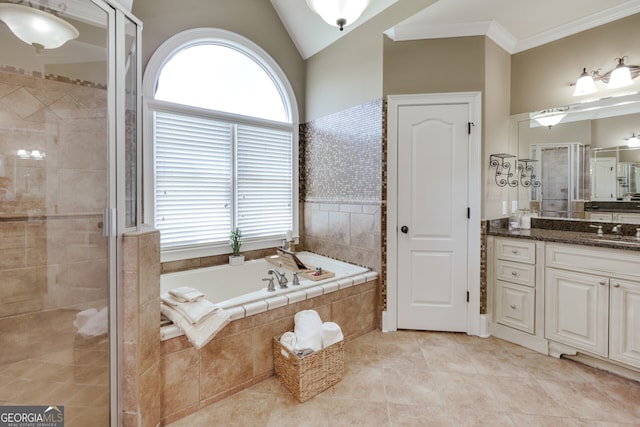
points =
(516, 250)
(516, 272)
(514, 306)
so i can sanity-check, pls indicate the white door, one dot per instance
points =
(433, 171)
(603, 184)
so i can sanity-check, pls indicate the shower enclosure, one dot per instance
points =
(68, 190)
(563, 173)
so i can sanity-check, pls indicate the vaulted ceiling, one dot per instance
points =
(515, 25)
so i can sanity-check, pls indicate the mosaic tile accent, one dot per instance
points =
(342, 156)
(61, 79)
(483, 266)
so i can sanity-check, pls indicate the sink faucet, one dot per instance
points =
(617, 229)
(282, 279)
(599, 227)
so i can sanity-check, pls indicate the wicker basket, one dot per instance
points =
(306, 377)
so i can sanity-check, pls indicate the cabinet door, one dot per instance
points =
(624, 338)
(628, 218)
(514, 306)
(577, 310)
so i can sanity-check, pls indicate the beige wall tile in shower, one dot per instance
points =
(149, 335)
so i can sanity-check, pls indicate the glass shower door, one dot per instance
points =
(54, 187)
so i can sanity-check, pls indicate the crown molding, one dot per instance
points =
(501, 36)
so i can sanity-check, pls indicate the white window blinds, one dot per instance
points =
(203, 191)
(193, 179)
(264, 184)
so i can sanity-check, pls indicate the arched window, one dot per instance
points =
(222, 118)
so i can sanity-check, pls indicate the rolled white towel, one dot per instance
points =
(186, 294)
(195, 312)
(331, 334)
(307, 327)
(288, 340)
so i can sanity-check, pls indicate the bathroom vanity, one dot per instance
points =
(567, 292)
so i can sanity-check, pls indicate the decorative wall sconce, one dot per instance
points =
(622, 75)
(527, 176)
(503, 169)
(30, 154)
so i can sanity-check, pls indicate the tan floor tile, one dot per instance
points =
(586, 401)
(411, 387)
(360, 383)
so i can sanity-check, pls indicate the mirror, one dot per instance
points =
(585, 158)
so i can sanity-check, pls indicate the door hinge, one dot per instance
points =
(468, 213)
(467, 296)
(469, 124)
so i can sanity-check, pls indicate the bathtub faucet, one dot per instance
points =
(282, 279)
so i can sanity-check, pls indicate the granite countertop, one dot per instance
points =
(572, 237)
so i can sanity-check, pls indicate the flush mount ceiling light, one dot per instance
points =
(633, 141)
(338, 12)
(622, 75)
(37, 27)
(551, 117)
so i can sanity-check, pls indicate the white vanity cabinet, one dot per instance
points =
(592, 302)
(517, 286)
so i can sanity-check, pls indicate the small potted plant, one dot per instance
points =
(235, 240)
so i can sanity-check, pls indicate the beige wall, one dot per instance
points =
(256, 20)
(541, 76)
(495, 111)
(350, 71)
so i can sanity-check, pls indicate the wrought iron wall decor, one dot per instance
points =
(503, 176)
(503, 169)
(527, 175)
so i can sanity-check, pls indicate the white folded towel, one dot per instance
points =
(198, 335)
(288, 340)
(307, 327)
(194, 312)
(186, 294)
(331, 334)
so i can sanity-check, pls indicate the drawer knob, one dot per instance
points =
(602, 282)
(513, 306)
(514, 251)
(616, 285)
(514, 273)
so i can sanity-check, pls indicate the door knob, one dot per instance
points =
(404, 229)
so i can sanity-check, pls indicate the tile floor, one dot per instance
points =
(76, 378)
(412, 378)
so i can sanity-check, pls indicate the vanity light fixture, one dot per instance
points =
(338, 12)
(36, 27)
(34, 154)
(503, 169)
(527, 175)
(622, 75)
(633, 141)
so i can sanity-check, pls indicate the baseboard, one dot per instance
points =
(524, 339)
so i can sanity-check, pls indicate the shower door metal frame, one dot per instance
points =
(116, 164)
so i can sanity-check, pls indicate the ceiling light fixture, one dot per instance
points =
(37, 27)
(622, 75)
(550, 117)
(338, 12)
(633, 141)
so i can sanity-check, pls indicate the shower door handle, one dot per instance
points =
(109, 222)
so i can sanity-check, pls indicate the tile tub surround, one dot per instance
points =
(241, 354)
